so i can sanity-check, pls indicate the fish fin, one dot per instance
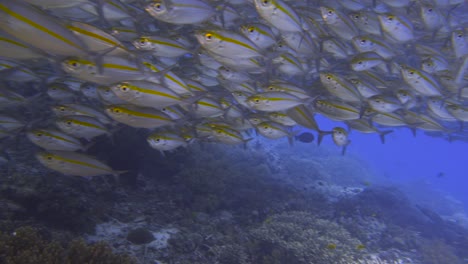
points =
(100, 11)
(382, 135)
(116, 175)
(321, 134)
(246, 141)
(291, 141)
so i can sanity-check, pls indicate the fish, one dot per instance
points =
(180, 12)
(166, 141)
(340, 137)
(28, 24)
(305, 137)
(229, 136)
(421, 81)
(216, 71)
(274, 101)
(146, 94)
(281, 118)
(396, 27)
(261, 35)
(340, 24)
(279, 14)
(228, 44)
(339, 86)
(160, 46)
(98, 41)
(78, 109)
(364, 126)
(14, 49)
(60, 92)
(336, 110)
(274, 130)
(82, 126)
(10, 123)
(74, 164)
(384, 104)
(51, 139)
(139, 117)
(112, 69)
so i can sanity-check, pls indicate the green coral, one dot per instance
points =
(299, 237)
(27, 246)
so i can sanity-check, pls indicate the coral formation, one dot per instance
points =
(436, 251)
(207, 204)
(27, 246)
(300, 237)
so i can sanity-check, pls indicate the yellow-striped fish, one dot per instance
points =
(75, 164)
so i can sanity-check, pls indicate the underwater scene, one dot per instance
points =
(233, 131)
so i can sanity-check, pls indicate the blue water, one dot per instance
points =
(406, 158)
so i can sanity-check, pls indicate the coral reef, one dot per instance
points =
(436, 251)
(299, 237)
(207, 204)
(27, 246)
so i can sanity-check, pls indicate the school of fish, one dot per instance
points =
(207, 70)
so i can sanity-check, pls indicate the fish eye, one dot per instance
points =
(124, 88)
(142, 41)
(360, 62)
(208, 36)
(257, 100)
(265, 2)
(157, 6)
(330, 12)
(115, 110)
(390, 18)
(74, 64)
(62, 109)
(69, 123)
(429, 10)
(356, 16)
(251, 29)
(157, 140)
(329, 77)
(363, 41)
(49, 157)
(411, 72)
(39, 134)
